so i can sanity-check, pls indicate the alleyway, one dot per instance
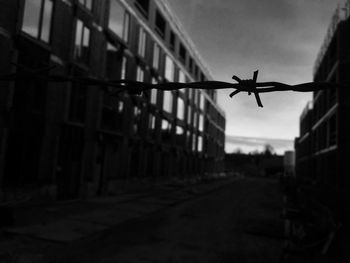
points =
(239, 222)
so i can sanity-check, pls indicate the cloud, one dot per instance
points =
(281, 38)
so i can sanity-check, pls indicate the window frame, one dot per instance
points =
(79, 57)
(140, 7)
(160, 30)
(40, 21)
(142, 42)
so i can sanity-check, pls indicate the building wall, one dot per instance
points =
(70, 139)
(323, 145)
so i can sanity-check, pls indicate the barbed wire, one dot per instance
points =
(137, 87)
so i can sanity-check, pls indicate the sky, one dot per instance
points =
(280, 38)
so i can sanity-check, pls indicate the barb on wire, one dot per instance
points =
(136, 88)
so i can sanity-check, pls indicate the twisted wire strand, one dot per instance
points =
(136, 87)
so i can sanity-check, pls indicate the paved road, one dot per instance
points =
(238, 223)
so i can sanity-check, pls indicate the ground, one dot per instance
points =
(238, 222)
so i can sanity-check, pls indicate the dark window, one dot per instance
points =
(182, 52)
(143, 6)
(37, 18)
(172, 40)
(160, 24)
(196, 71)
(77, 105)
(112, 113)
(86, 3)
(113, 61)
(137, 120)
(82, 43)
(333, 130)
(190, 65)
(202, 77)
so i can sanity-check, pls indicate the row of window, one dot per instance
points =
(119, 23)
(37, 23)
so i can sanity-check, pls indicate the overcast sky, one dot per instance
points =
(280, 38)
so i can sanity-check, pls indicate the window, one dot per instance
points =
(172, 40)
(195, 96)
(195, 119)
(86, 3)
(202, 77)
(124, 68)
(119, 20)
(156, 56)
(190, 93)
(137, 119)
(200, 144)
(160, 24)
(201, 122)
(143, 6)
(153, 96)
(333, 130)
(193, 142)
(180, 109)
(188, 137)
(201, 101)
(140, 74)
(182, 79)
(77, 103)
(189, 114)
(152, 122)
(180, 139)
(112, 113)
(190, 65)
(112, 60)
(180, 130)
(153, 92)
(142, 42)
(82, 42)
(182, 53)
(168, 101)
(126, 27)
(169, 68)
(37, 19)
(196, 72)
(166, 131)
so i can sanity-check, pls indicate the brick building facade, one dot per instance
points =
(70, 140)
(323, 148)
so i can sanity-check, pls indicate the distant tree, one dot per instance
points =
(254, 153)
(268, 150)
(238, 151)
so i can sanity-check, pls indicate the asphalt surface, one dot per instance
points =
(239, 222)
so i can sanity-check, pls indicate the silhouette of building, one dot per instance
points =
(323, 147)
(71, 140)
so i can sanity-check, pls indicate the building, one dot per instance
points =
(289, 163)
(323, 147)
(69, 140)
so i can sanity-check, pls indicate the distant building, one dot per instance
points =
(71, 140)
(289, 163)
(323, 147)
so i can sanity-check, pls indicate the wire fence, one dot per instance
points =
(114, 87)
